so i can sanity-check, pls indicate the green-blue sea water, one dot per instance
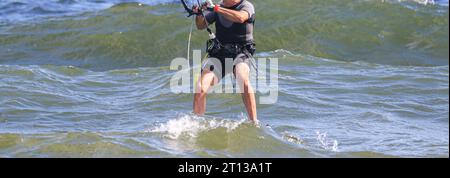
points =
(357, 78)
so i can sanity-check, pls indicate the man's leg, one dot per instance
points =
(206, 80)
(248, 94)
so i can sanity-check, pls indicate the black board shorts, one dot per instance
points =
(222, 65)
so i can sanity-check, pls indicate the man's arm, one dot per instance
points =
(233, 15)
(200, 21)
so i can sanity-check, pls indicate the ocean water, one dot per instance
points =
(357, 78)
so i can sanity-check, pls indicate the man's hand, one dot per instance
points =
(196, 10)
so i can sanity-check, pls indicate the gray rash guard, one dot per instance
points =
(230, 32)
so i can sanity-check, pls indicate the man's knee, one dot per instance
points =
(243, 77)
(242, 70)
(205, 82)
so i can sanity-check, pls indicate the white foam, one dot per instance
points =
(191, 126)
(326, 143)
(423, 2)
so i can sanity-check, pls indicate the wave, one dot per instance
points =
(76, 144)
(28, 10)
(186, 136)
(189, 132)
(130, 35)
